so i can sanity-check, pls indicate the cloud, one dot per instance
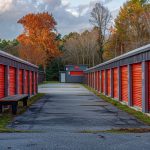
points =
(5, 5)
(69, 17)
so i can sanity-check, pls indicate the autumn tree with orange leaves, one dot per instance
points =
(131, 29)
(38, 43)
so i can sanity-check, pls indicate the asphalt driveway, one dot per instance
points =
(57, 120)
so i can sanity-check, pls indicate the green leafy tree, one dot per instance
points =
(9, 46)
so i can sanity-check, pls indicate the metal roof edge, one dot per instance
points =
(7, 55)
(76, 65)
(126, 55)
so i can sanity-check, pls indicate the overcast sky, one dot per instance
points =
(71, 15)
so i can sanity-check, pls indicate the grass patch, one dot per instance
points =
(137, 114)
(6, 117)
(31, 101)
(119, 131)
(7, 130)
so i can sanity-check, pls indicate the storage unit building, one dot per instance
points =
(126, 78)
(74, 73)
(14, 76)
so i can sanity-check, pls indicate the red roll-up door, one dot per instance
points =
(149, 85)
(85, 77)
(88, 78)
(103, 81)
(2, 81)
(98, 81)
(12, 81)
(124, 83)
(27, 82)
(108, 82)
(20, 81)
(35, 82)
(92, 79)
(95, 80)
(137, 84)
(76, 73)
(34, 85)
(31, 82)
(115, 82)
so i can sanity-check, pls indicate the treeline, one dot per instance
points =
(81, 48)
(108, 38)
(9, 46)
(41, 44)
(131, 29)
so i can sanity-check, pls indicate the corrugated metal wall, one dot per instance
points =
(14, 76)
(125, 78)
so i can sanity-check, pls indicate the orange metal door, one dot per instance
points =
(31, 82)
(20, 81)
(149, 85)
(108, 82)
(88, 79)
(27, 82)
(35, 82)
(115, 82)
(103, 81)
(96, 77)
(2, 81)
(137, 84)
(98, 81)
(76, 73)
(92, 80)
(124, 83)
(12, 81)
